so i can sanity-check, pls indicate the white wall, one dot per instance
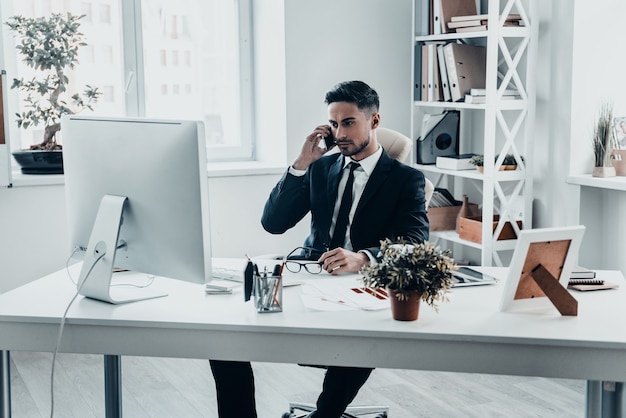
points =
(326, 42)
(371, 40)
(598, 75)
(330, 41)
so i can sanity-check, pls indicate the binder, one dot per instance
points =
(466, 67)
(449, 8)
(422, 17)
(443, 74)
(434, 68)
(425, 80)
(417, 72)
(431, 80)
(435, 7)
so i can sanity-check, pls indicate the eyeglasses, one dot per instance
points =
(294, 262)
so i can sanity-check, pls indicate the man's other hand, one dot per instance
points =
(341, 260)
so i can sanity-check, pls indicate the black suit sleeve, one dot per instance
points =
(287, 204)
(406, 218)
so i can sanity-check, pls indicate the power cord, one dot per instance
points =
(58, 344)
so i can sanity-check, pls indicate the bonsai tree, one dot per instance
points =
(404, 267)
(50, 45)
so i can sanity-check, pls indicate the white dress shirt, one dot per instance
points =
(361, 176)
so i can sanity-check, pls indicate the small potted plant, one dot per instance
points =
(49, 45)
(508, 162)
(478, 161)
(603, 143)
(411, 273)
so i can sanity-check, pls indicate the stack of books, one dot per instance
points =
(455, 162)
(479, 95)
(583, 279)
(478, 22)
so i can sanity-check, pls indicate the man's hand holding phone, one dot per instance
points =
(311, 149)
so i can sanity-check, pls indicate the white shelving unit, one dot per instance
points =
(506, 126)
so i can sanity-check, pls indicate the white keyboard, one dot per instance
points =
(228, 274)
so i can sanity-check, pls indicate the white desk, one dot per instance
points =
(468, 334)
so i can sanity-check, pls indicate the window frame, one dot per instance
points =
(134, 90)
(133, 67)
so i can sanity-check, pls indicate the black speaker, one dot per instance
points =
(440, 137)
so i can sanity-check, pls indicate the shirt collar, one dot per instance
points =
(368, 163)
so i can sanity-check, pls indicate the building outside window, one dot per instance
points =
(190, 43)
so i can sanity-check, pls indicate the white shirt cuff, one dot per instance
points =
(297, 173)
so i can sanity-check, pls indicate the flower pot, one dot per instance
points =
(509, 167)
(603, 172)
(404, 309)
(40, 161)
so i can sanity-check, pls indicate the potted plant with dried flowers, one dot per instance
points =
(49, 45)
(603, 143)
(411, 273)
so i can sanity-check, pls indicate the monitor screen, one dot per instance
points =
(136, 189)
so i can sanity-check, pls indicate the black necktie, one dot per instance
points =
(341, 224)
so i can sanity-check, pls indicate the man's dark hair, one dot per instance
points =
(357, 92)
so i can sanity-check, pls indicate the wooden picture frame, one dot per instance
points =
(540, 270)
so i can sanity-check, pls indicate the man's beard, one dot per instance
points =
(350, 153)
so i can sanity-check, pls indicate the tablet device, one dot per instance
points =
(466, 276)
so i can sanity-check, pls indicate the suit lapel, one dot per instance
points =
(378, 177)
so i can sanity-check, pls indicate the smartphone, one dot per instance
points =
(329, 140)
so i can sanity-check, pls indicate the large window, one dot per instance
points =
(183, 59)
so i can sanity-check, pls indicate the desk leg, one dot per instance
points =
(593, 404)
(113, 386)
(604, 399)
(5, 384)
(612, 393)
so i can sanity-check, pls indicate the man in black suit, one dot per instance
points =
(385, 199)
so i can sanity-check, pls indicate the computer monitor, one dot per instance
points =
(137, 199)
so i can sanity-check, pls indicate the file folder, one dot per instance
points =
(466, 66)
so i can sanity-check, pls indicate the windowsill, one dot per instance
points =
(214, 170)
(244, 168)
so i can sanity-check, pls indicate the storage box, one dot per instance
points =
(471, 229)
(444, 218)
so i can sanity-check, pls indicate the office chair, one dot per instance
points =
(398, 146)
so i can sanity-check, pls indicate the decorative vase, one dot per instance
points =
(603, 172)
(464, 212)
(405, 309)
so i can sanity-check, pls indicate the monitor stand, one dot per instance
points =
(97, 269)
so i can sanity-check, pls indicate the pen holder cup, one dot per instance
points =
(268, 293)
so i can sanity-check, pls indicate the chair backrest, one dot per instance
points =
(398, 146)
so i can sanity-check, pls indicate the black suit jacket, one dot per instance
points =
(392, 205)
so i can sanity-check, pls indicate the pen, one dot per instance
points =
(274, 300)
